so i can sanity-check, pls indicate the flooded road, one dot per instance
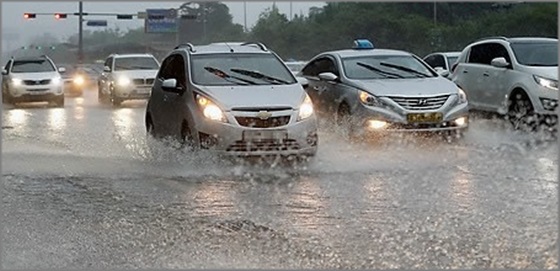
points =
(82, 189)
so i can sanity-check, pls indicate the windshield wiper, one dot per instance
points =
(259, 75)
(228, 77)
(382, 72)
(398, 67)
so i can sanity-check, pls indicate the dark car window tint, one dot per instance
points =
(174, 67)
(484, 53)
(319, 66)
(536, 53)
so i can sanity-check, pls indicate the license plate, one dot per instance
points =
(424, 117)
(143, 90)
(261, 135)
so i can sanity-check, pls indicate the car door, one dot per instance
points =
(318, 89)
(167, 107)
(5, 76)
(496, 80)
(470, 74)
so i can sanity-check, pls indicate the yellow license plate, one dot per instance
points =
(424, 117)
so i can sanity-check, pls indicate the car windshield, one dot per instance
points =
(36, 65)
(536, 53)
(295, 66)
(135, 63)
(384, 67)
(228, 69)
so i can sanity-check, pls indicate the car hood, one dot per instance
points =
(408, 87)
(137, 73)
(35, 75)
(274, 96)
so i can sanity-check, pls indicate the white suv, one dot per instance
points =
(516, 77)
(127, 77)
(32, 79)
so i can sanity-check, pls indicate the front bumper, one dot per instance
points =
(133, 92)
(37, 93)
(454, 117)
(297, 138)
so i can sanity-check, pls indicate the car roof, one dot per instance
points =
(131, 55)
(30, 58)
(226, 47)
(515, 39)
(454, 53)
(366, 52)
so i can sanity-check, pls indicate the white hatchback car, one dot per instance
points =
(236, 99)
(32, 79)
(127, 77)
(516, 77)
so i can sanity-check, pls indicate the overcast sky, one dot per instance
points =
(16, 31)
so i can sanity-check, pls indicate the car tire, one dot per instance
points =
(344, 122)
(59, 102)
(521, 113)
(100, 96)
(115, 101)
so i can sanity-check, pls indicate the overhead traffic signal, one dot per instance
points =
(124, 16)
(59, 16)
(29, 15)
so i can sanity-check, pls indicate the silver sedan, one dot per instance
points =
(369, 90)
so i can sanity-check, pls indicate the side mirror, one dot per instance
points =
(499, 62)
(4, 72)
(61, 70)
(171, 85)
(328, 76)
(302, 81)
(106, 69)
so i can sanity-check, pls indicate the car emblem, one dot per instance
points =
(422, 102)
(263, 115)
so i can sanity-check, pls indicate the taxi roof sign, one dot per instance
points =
(362, 44)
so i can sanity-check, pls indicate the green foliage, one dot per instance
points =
(418, 27)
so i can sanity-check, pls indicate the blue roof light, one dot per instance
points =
(362, 44)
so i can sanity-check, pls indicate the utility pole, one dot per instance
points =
(291, 11)
(245, 14)
(80, 33)
(435, 13)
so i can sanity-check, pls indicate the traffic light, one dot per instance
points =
(59, 16)
(124, 16)
(29, 15)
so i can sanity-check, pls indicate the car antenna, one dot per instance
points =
(230, 49)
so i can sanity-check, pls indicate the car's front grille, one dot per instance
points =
(258, 109)
(421, 103)
(37, 82)
(402, 126)
(264, 145)
(263, 123)
(141, 81)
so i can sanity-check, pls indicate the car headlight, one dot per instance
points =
(17, 82)
(209, 109)
(123, 81)
(56, 80)
(462, 96)
(78, 80)
(547, 83)
(369, 99)
(305, 109)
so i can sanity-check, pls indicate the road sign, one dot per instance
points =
(96, 23)
(124, 16)
(160, 21)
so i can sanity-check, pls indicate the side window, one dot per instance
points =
(7, 67)
(499, 50)
(174, 67)
(439, 61)
(431, 61)
(310, 69)
(108, 63)
(324, 64)
(481, 54)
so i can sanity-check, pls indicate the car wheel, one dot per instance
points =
(6, 99)
(187, 138)
(59, 101)
(521, 113)
(344, 122)
(115, 101)
(100, 96)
